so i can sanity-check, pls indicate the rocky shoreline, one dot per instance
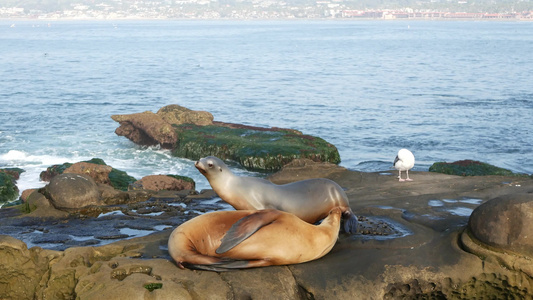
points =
(95, 232)
(417, 240)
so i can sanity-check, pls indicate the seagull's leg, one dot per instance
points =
(408, 179)
(400, 176)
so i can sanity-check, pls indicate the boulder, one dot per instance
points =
(177, 115)
(505, 223)
(73, 191)
(164, 182)
(146, 128)
(100, 173)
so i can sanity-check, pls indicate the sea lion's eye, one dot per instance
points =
(210, 165)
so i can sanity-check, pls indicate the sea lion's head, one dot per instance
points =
(209, 165)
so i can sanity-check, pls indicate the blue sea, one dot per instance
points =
(445, 90)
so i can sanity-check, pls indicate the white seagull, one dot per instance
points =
(405, 161)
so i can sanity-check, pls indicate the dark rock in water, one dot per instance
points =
(8, 188)
(146, 128)
(164, 182)
(505, 223)
(253, 149)
(73, 191)
(469, 168)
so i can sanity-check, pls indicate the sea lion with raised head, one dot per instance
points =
(310, 200)
(226, 240)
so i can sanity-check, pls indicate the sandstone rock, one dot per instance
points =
(163, 182)
(505, 223)
(100, 173)
(175, 114)
(73, 191)
(21, 270)
(146, 128)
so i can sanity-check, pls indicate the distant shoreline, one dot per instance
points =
(262, 19)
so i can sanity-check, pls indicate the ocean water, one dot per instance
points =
(445, 90)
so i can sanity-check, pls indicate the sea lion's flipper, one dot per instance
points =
(350, 222)
(245, 227)
(226, 265)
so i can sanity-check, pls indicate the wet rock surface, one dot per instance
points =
(413, 243)
(101, 225)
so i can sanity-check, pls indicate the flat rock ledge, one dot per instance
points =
(437, 255)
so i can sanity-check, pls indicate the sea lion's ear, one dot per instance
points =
(220, 168)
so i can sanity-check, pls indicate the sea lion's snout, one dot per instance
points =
(200, 167)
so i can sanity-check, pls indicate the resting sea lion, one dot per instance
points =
(225, 240)
(310, 200)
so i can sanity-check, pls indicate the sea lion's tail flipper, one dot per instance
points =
(245, 227)
(226, 265)
(350, 222)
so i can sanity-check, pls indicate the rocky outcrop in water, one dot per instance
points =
(196, 135)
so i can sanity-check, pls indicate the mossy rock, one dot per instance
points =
(267, 150)
(470, 168)
(120, 180)
(14, 172)
(8, 189)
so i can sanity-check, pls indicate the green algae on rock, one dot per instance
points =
(469, 168)
(8, 189)
(253, 148)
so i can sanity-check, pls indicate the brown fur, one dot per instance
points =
(225, 240)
